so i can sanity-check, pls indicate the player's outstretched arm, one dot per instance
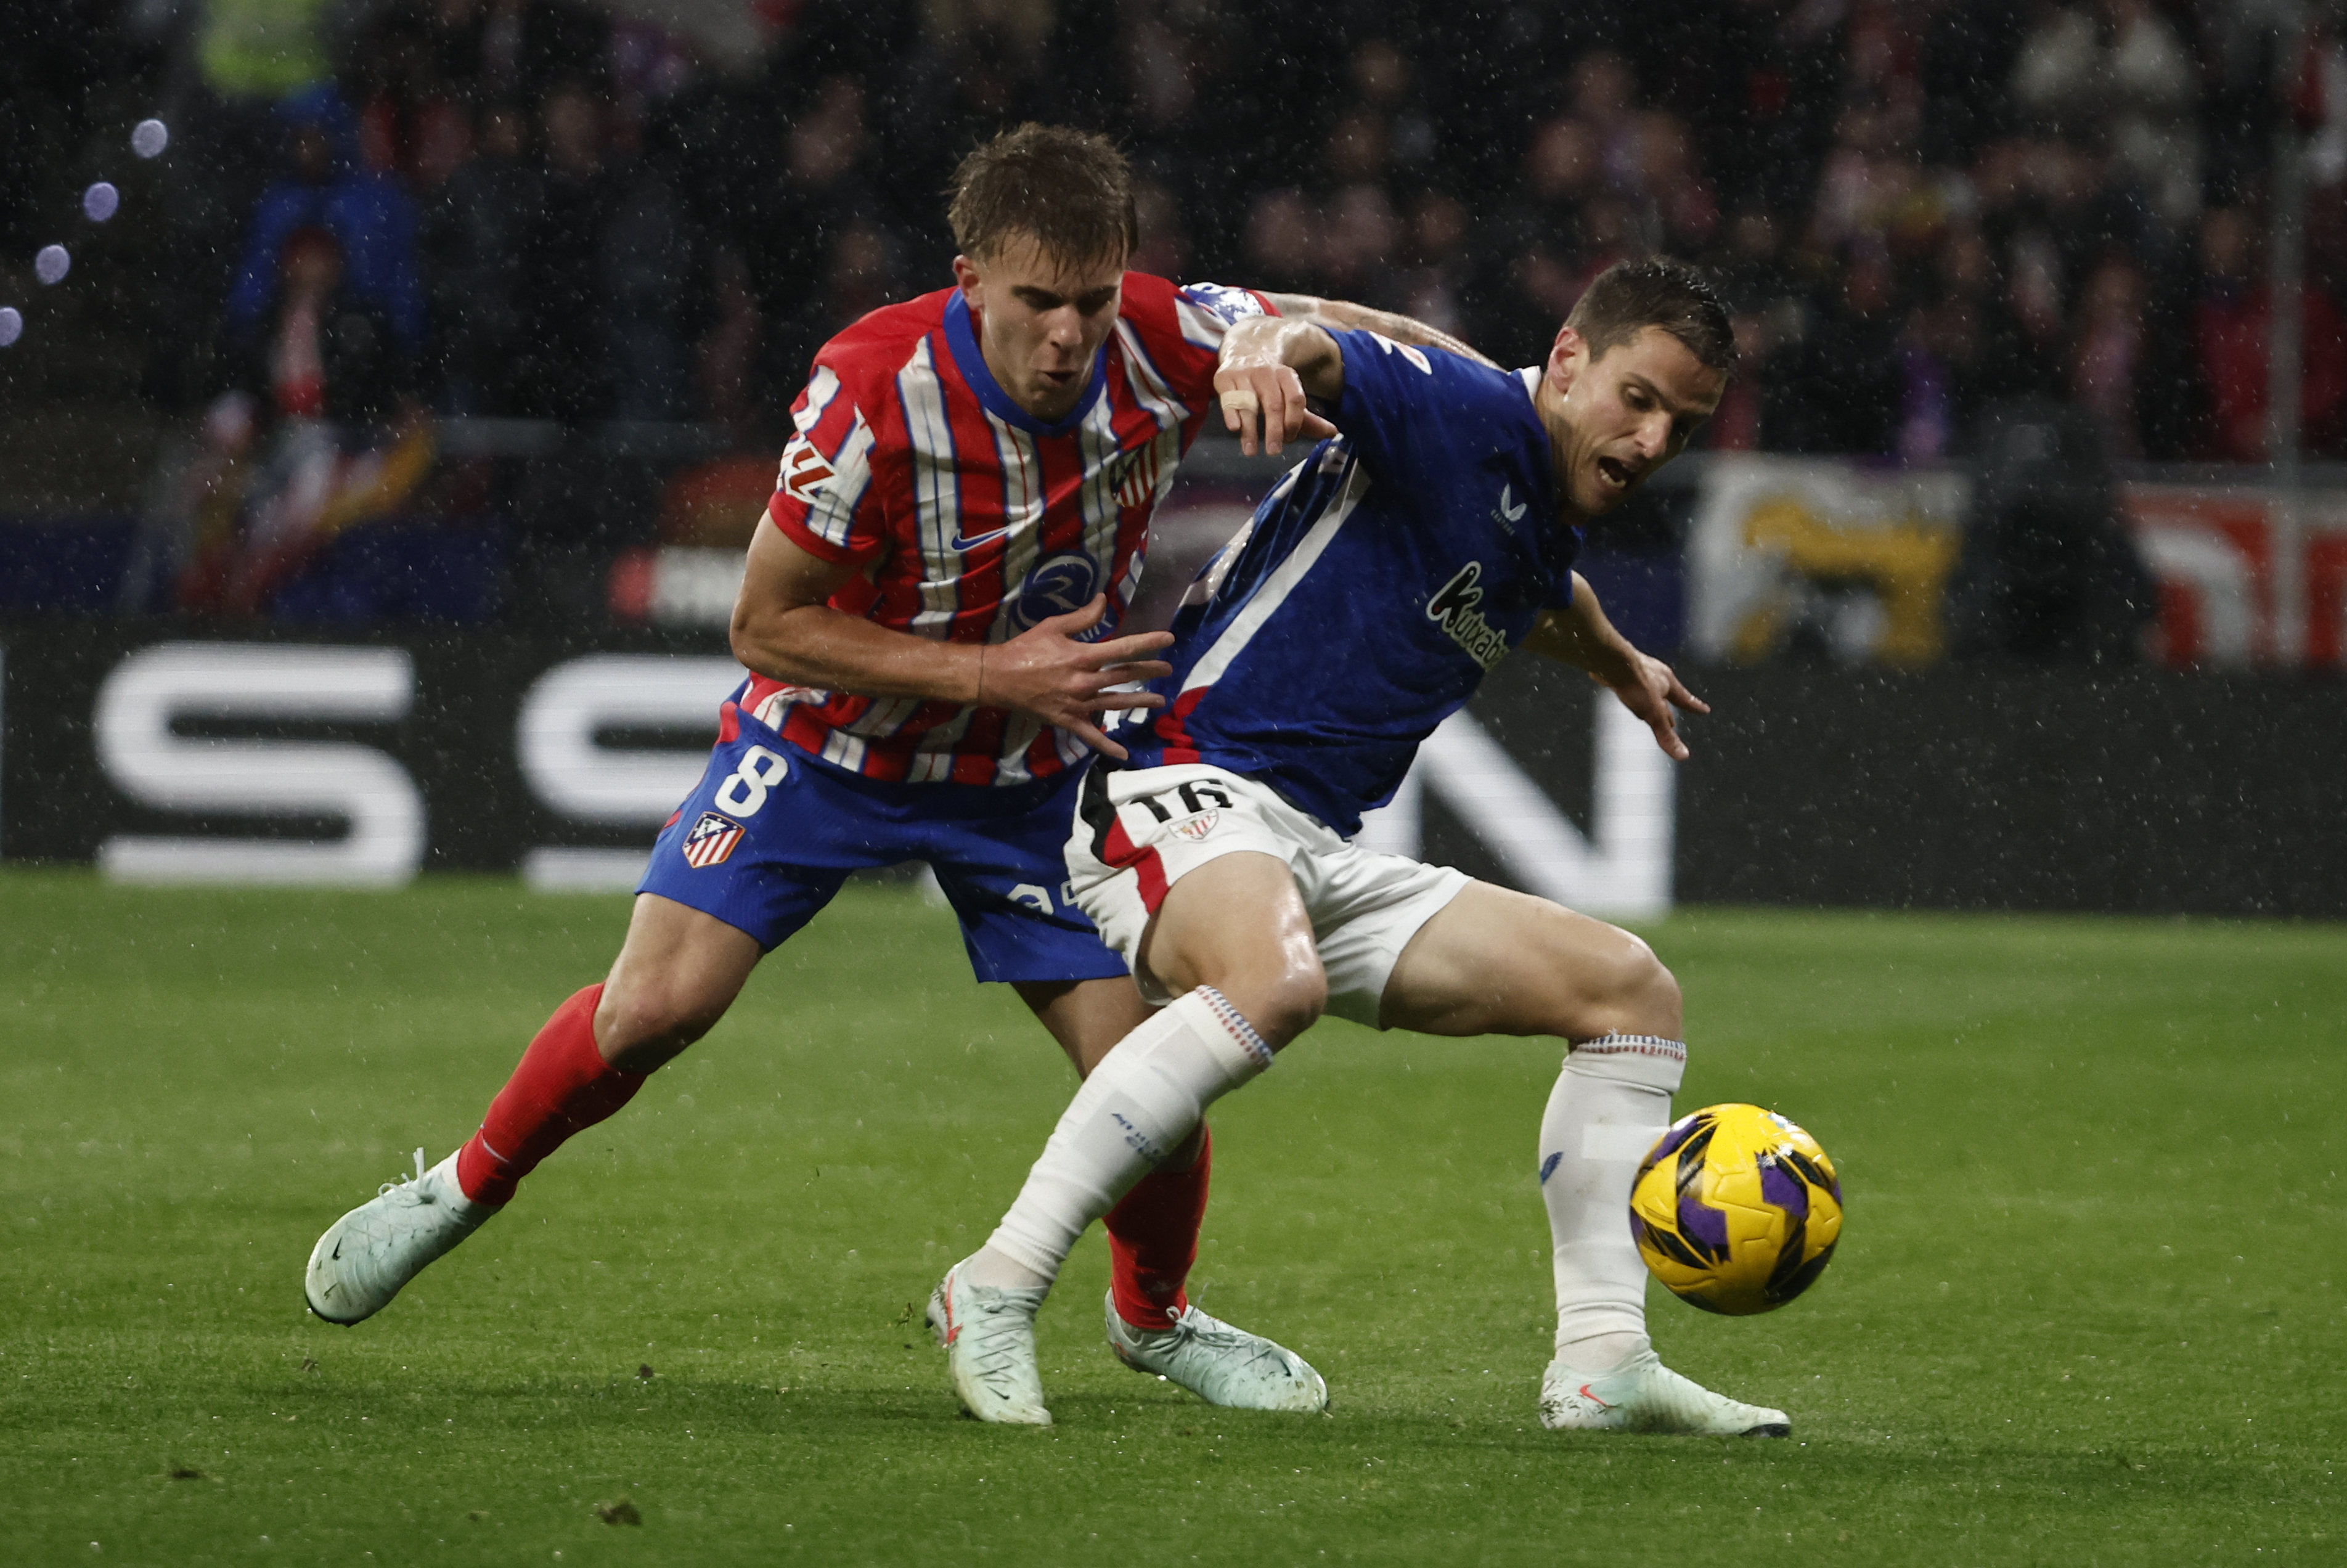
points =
(1346, 317)
(785, 628)
(1270, 366)
(1581, 636)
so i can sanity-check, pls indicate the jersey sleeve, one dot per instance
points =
(824, 500)
(1560, 596)
(1183, 328)
(1419, 414)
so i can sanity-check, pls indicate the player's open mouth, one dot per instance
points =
(1615, 473)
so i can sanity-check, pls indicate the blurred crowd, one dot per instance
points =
(545, 209)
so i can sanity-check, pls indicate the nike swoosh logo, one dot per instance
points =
(1593, 1399)
(959, 543)
(337, 1254)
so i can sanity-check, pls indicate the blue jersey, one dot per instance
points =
(1375, 586)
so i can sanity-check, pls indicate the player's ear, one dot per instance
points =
(966, 274)
(1566, 356)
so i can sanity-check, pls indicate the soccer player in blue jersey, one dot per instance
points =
(924, 670)
(1432, 533)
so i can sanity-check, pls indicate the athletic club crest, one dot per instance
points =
(1198, 827)
(712, 838)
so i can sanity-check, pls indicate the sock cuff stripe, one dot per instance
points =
(1633, 1045)
(1235, 1022)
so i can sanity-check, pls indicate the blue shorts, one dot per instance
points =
(770, 833)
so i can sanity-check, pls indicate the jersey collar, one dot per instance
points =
(961, 337)
(1531, 377)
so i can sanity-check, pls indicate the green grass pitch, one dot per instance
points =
(2084, 1311)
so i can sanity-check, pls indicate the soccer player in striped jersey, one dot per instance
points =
(1377, 583)
(928, 619)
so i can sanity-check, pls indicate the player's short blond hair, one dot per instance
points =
(1068, 190)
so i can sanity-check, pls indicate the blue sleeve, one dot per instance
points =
(1419, 415)
(282, 209)
(376, 223)
(1560, 589)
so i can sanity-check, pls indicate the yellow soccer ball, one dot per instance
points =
(1736, 1210)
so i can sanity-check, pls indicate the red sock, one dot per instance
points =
(1152, 1240)
(563, 1086)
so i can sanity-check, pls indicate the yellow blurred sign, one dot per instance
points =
(1858, 556)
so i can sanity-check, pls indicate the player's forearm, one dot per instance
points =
(1581, 636)
(1346, 317)
(815, 645)
(1300, 344)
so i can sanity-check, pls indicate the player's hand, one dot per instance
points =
(1648, 688)
(1047, 672)
(1269, 399)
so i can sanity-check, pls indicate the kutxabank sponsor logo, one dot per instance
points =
(1453, 608)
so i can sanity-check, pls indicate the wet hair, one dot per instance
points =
(1070, 190)
(1630, 296)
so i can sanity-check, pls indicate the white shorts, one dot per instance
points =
(1140, 831)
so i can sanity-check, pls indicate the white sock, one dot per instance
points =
(1137, 1107)
(1611, 1101)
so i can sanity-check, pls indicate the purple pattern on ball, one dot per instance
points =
(1785, 1190)
(1703, 1225)
(1671, 1140)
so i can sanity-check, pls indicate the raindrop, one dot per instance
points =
(149, 138)
(52, 264)
(100, 202)
(12, 325)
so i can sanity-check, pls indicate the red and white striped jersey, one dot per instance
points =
(974, 519)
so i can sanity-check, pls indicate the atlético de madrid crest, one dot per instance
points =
(712, 838)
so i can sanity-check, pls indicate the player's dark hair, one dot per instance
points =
(1070, 190)
(1630, 296)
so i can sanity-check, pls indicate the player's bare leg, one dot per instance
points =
(1240, 920)
(1494, 962)
(677, 973)
(1265, 956)
(1086, 1017)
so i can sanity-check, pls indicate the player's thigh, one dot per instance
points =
(1496, 961)
(1186, 871)
(676, 974)
(1238, 923)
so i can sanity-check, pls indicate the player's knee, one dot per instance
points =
(1625, 989)
(640, 1025)
(1284, 1006)
(1643, 991)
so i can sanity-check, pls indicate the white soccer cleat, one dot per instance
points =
(365, 1256)
(989, 1335)
(1221, 1364)
(1642, 1395)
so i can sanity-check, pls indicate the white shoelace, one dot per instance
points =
(394, 1185)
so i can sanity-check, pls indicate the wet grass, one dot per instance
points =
(2084, 1313)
